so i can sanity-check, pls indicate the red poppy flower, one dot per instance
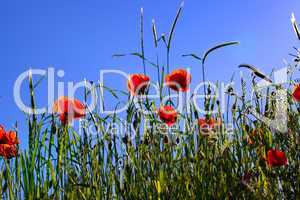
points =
(178, 80)
(137, 83)
(168, 115)
(8, 143)
(276, 158)
(8, 151)
(206, 125)
(68, 109)
(9, 137)
(296, 93)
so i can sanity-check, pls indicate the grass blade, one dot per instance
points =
(174, 25)
(295, 26)
(218, 47)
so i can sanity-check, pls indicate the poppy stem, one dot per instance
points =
(203, 77)
(158, 71)
(168, 72)
(142, 40)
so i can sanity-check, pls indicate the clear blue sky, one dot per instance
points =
(80, 36)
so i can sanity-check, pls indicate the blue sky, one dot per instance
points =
(80, 37)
